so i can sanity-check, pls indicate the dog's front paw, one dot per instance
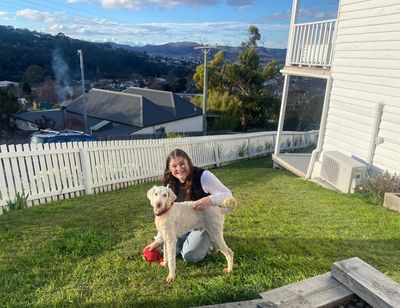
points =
(227, 270)
(170, 278)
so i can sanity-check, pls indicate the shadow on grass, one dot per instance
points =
(317, 254)
(262, 162)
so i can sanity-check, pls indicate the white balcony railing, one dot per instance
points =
(312, 43)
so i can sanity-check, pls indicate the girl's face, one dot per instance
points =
(179, 167)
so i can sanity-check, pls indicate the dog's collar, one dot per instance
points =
(165, 210)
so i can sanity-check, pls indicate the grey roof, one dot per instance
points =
(113, 106)
(127, 111)
(163, 99)
(113, 129)
(184, 108)
(135, 106)
(32, 116)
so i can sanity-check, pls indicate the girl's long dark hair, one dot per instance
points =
(173, 181)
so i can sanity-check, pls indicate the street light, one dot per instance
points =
(205, 49)
(80, 53)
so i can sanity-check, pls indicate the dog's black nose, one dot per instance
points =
(158, 204)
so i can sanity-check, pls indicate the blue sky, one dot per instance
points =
(140, 22)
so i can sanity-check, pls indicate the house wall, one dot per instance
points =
(194, 124)
(365, 72)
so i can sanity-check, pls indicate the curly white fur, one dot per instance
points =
(175, 219)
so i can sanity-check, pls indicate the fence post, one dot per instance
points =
(216, 154)
(248, 148)
(273, 143)
(293, 143)
(86, 171)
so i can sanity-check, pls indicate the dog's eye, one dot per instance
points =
(164, 195)
(155, 194)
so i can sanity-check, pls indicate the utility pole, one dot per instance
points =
(80, 53)
(205, 49)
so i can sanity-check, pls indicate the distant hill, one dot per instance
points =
(185, 50)
(21, 48)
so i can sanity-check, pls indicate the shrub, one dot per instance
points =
(242, 150)
(173, 135)
(373, 189)
(20, 202)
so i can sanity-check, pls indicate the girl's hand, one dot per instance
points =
(202, 204)
(153, 245)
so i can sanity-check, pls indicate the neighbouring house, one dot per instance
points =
(109, 113)
(135, 111)
(34, 120)
(358, 56)
(6, 83)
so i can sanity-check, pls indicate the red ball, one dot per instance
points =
(151, 255)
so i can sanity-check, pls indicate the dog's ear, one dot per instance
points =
(171, 195)
(150, 192)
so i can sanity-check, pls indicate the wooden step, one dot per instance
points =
(367, 282)
(318, 291)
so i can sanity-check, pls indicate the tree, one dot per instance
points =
(216, 77)
(26, 88)
(8, 104)
(34, 74)
(45, 122)
(254, 36)
(248, 80)
(243, 84)
(47, 92)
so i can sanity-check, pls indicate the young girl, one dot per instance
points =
(191, 183)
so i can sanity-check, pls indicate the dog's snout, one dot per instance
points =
(158, 204)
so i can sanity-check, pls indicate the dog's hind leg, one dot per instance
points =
(220, 244)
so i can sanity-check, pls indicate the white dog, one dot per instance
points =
(175, 219)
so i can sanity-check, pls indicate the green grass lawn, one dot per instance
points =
(88, 250)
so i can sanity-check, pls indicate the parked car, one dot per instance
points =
(52, 136)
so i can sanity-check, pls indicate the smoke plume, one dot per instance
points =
(61, 72)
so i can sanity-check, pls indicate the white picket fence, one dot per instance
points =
(49, 172)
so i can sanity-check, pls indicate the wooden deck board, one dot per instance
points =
(367, 282)
(318, 291)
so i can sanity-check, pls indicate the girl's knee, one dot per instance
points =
(193, 256)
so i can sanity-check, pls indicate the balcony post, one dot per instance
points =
(293, 21)
(282, 115)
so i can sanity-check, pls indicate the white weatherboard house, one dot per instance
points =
(358, 54)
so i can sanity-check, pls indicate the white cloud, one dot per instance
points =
(78, 1)
(2, 13)
(309, 14)
(102, 30)
(240, 3)
(137, 4)
(38, 16)
(317, 14)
